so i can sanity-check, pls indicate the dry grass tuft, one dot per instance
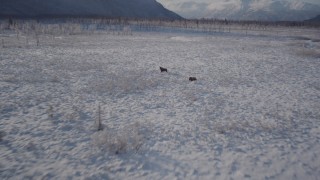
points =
(123, 140)
(313, 53)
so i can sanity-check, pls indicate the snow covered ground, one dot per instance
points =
(253, 113)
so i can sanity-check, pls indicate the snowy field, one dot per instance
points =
(253, 113)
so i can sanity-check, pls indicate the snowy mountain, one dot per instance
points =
(269, 10)
(97, 8)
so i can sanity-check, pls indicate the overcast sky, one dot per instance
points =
(192, 8)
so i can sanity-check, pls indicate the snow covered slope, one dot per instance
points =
(100, 8)
(270, 10)
(253, 113)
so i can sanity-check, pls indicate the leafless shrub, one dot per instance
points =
(9, 78)
(98, 122)
(308, 53)
(229, 127)
(120, 141)
(50, 112)
(55, 79)
(2, 134)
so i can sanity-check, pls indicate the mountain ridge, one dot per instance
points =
(314, 19)
(265, 10)
(85, 8)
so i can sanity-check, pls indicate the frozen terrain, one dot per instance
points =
(253, 113)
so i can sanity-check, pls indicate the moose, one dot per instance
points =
(192, 78)
(162, 69)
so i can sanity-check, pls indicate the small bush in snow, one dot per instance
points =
(50, 112)
(2, 134)
(308, 53)
(98, 122)
(120, 141)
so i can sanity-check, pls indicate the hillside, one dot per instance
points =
(85, 8)
(265, 10)
(315, 19)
